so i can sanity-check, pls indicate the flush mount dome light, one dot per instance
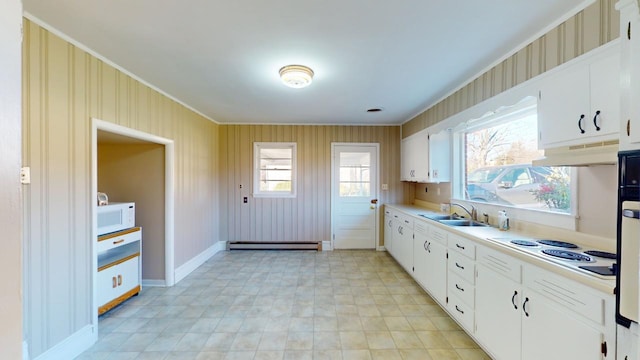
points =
(296, 76)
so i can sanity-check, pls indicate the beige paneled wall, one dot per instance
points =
(306, 217)
(594, 26)
(136, 173)
(63, 87)
(10, 161)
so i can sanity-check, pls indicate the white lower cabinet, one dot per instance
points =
(388, 230)
(403, 242)
(430, 260)
(461, 281)
(498, 304)
(544, 317)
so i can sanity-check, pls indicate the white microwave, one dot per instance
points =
(115, 217)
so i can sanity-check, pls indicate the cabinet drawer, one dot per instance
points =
(406, 221)
(463, 246)
(462, 289)
(421, 227)
(500, 263)
(438, 235)
(117, 280)
(461, 312)
(110, 241)
(462, 266)
(566, 293)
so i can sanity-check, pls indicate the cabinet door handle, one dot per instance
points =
(459, 266)
(119, 280)
(580, 124)
(118, 241)
(459, 246)
(595, 120)
(426, 246)
(459, 288)
(460, 311)
(629, 127)
(524, 306)
(513, 300)
(400, 230)
(115, 283)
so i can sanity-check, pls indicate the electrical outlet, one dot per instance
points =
(438, 191)
(385, 186)
(245, 199)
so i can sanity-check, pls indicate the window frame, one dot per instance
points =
(257, 147)
(492, 118)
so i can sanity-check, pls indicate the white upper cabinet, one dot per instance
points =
(415, 161)
(630, 74)
(426, 157)
(580, 104)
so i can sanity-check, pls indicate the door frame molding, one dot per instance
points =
(169, 191)
(378, 191)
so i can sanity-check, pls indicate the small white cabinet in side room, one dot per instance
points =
(119, 267)
(430, 260)
(630, 74)
(581, 103)
(426, 157)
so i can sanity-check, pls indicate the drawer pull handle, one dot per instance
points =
(119, 280)
(459, 288)
(459, 246)
(406, 221)
(459, 266)
(580, 124)
(513, 300)
(115, 283)
(118, 241)
(460, 311)
(524, 306)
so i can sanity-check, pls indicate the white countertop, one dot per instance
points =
(489, 236)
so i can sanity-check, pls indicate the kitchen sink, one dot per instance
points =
(461, 222)
(438, 217)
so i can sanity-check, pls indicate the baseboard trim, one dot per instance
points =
(72, 346)
(187, 268)
(381, 248)
(153, 283)
(326, 245)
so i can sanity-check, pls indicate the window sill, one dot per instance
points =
(517, 215)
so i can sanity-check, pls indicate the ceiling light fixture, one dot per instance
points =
(296, 76)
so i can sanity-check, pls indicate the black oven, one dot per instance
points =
(628, 237)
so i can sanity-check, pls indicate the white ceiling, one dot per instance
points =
(222, 58)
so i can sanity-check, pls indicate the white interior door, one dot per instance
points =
(354, 189)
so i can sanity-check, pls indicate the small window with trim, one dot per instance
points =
(274, 169)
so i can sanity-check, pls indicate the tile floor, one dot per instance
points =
(285, 305)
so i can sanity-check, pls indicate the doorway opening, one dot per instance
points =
(134, 166)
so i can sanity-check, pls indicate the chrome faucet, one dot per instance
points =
(473, 213)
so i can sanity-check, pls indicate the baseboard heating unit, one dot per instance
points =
(248, 245)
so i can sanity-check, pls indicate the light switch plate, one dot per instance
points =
(385, 186)
(25, 175)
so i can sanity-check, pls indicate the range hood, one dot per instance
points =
(601, 153)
